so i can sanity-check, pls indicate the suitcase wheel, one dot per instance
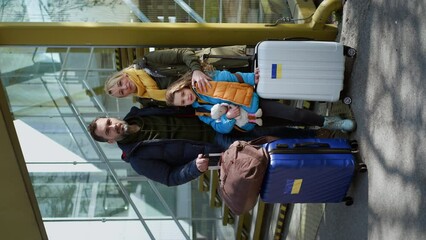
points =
(348, 201)
(354, 146)
(347, 100)
(362, 168)
(349, 52)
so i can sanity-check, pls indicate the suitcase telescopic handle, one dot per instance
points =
(308, 148)
(305, 145)
(311, 144)
(214, 159)
(212, 155)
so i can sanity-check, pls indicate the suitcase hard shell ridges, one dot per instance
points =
(308, 178)
(300, 70)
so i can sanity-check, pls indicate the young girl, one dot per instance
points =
(180, 93)
(238, 91)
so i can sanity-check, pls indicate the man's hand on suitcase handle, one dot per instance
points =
(202, 162)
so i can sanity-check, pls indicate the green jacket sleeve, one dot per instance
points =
(173, 58)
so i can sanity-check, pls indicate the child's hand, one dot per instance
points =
(233, 112)
(256, 75)
(201, 79)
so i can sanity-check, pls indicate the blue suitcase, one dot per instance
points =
(309, 171)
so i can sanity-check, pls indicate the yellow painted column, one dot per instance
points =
(322, 13)
(154, 34)
(166, 34)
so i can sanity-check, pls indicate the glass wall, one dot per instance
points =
(82, 185)
(210, 11)
(83, 188)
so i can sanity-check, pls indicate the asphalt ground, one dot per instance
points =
(387, 82)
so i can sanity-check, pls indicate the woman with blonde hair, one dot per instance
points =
(151, 75)
(133, 81)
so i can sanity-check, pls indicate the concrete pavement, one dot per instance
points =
(387, 83)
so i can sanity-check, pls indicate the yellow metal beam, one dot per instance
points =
(166, 34)
(153, 34)
(322, 13)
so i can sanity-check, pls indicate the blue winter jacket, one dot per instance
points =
(170, 161)
(226, 125)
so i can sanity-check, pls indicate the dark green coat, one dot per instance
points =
(170, 64)
(166, 66)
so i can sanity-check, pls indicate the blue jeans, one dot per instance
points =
(287, 115)
(224, 140)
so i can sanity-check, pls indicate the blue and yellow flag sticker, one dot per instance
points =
(276, 71)
(293, 186)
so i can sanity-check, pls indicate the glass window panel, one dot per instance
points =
(207, 221)
(37, 98)
(45, 60)
(94, 88)
(30, 94)
(73, 76)
(200, 204)
(167, 229)
(45, 125)
(36, 111)
(76, 58)
(148, 202)
(88, 11)
(109, 230)
(119, 107)
(214, 11)
(95, 80)
(80, 97)
(66, 140)
(53, 136)
(111, 150)
(85, 146)
(14, 11)
(79, 58)
(105, 58)
(212, 229)
(57, 95)
(77, 191)
(21, 58)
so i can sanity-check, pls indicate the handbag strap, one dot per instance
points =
(263, 140)
(256, 141)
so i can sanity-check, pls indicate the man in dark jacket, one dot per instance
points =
(167, 145)
(168, 161)
(163, 144)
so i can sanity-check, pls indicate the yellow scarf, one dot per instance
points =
(146, 86)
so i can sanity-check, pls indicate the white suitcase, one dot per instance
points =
(300, 70)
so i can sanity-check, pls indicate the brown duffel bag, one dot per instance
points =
(242, 167)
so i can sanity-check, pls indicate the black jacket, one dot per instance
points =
(170, 161)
